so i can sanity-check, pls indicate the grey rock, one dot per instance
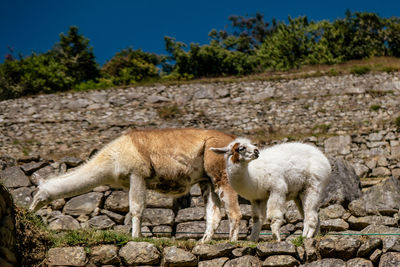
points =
(383, 199)
(64, 222)
(100, 222)
(360, 169)
(204, 92)
(292, 214)
(376, 255)
(157, 200)
(195, 190)
(71, 162)
(190, 229)
(66, 256)
(245, 210)
(43, 174)
(206, 251)
(240, 252)
(359, 223)
(14, 177)
(219, 262)
(390, 259)
(389, 242)
(83, 204)
(104, 254)
(380, 172)
(190, 214)
(139, 253)
(332, 212)
(344, 247)
(326, 262)
(359, 262)
(344, 185)
(338, 145)
(311, 249)
(153, 217)
(244, 261)
(174, 256)
(153, 99)
(368, 245)
(57, 204)
(32, 166)
(6, 162)
(78, 104)
(334, 225)
(162, 231)
(281, 261)
(275, 248)
(22, 196)
(223, 92)
(113, 216)
(117, 201)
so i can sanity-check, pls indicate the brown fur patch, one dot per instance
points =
(235, 156)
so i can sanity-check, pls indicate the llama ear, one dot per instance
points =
(220, 150)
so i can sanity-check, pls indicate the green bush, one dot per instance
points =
(209, 60)
(130, 66)
(32, 75)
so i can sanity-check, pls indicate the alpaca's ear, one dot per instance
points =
(220, 150)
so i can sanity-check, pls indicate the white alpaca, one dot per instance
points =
(169, 161)
(272, 176)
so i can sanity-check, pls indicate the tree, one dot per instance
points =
(247, 33)
(288, 47)
(130, 66)
(73, 51)
(392, 36)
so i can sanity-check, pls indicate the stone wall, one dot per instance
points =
(350, 118)
(8, 251)
(327, 251)
(76, 123)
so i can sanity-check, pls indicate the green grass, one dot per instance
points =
(298, 241)
(375, 107)
(360, 70)
(169, 111)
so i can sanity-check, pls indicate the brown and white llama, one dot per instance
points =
(169, 161)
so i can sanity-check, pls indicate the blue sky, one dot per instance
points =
(34, 26)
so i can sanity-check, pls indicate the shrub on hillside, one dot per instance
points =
(130, 66)
(209, 60)
(32, 75)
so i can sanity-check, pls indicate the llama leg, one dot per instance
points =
(256, 214)
(213, 211)
(275, 212)
(137, 202)
(231, 203)
(310, 206)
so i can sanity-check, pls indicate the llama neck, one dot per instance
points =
(76, 182)
(237, 173)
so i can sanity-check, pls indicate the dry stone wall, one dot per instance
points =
(76, 123)
(350, 118)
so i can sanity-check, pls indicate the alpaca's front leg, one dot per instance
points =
(258, 209)
(275, 212)
(137, 202)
